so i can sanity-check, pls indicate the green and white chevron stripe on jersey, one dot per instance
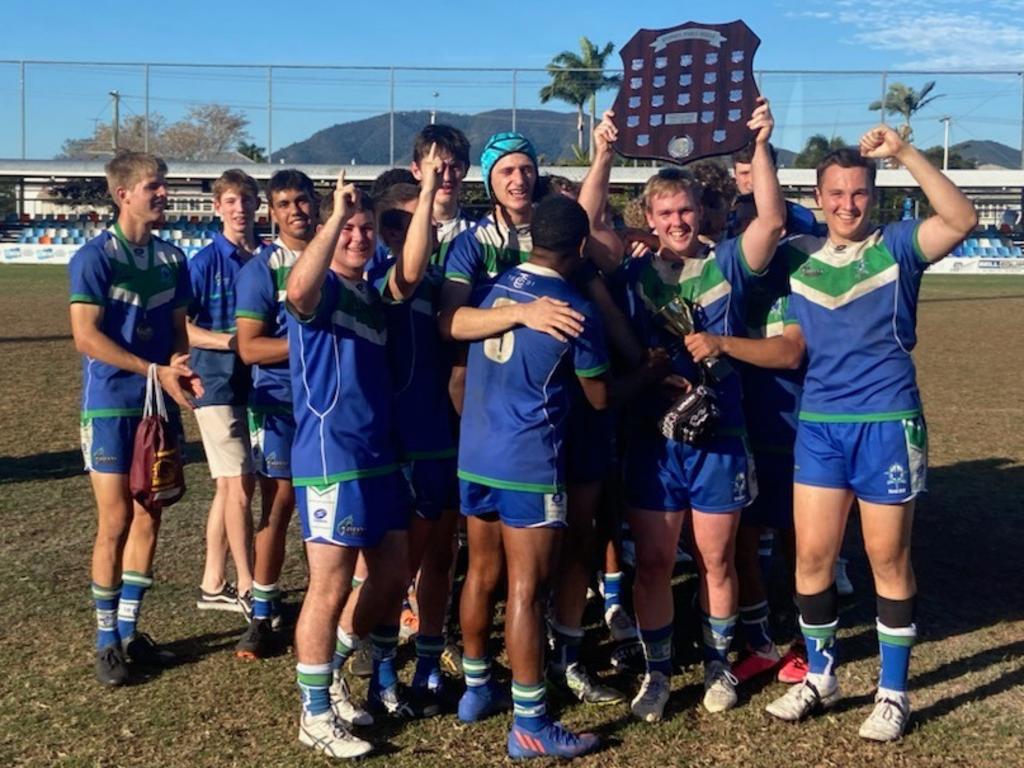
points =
(697, 279)
(835, 275)
(360, 313)
(146, 287)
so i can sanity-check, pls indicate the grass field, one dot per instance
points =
(967, 674)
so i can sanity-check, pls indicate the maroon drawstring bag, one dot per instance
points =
(157, 477)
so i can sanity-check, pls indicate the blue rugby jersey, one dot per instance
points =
(260, 295)
(212, 273)
(486, 250)
(771, 397)
(341, 386)
(856, 306)
(519, 387)
(139, 288)
(715, 284)
(419, 367)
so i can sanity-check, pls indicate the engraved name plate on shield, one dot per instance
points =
(687, 92)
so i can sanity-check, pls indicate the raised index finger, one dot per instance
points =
(341, 178)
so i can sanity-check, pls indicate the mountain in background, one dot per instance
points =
(984, 152)
(366, 142)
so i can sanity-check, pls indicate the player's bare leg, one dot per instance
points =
(215, 568)
(574, 568)
(819, 518)
(655, 534)
(714, 537)
(476, 607)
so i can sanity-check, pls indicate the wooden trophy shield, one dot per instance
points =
(687, 92)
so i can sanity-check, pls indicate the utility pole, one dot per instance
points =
(433, 112)
(116, 96)
(945, 141)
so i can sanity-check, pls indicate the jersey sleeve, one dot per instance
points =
(321, 316)
(465, 258)
(90, 276)
(732, 262)
(901, 240)
(255, 297)
(789, 316)
(590, 352)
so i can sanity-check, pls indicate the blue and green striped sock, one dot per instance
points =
(895, 644)
(344, 646)
(477, 672)
(567, 645)
(134, 589)
(717, 635)
(428, 658)
(529, 705)
(821, 647)
(106, 599)
(263, 597)
(657, 645)
(383, 645)
(757, 630)
(314, 682)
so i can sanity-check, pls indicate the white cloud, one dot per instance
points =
(938, 34)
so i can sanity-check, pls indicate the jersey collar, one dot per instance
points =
(537, 269)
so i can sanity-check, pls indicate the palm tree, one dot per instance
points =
(903, 100)
(577, 77)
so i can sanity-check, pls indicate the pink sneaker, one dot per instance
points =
(794, 665)
(756, 663)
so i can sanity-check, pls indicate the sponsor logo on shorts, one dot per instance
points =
(99, 456)
(320, 514)
(348, 527)
(555, 507)
(896, 480)
(739, 487)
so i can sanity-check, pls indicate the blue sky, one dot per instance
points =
(65, 101)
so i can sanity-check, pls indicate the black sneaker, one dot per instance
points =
(111, 667)
(245, 605)
(403, 703)
(255, 641)
(576, 681)
(140, 649)
(226, 599)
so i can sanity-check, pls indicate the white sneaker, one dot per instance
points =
(888, 720)
(620, 625)
(843, 584)
(803, 698)
(649, 702)
(719, 687)
(328, 734)
(344, 706)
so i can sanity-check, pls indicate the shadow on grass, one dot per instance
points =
(63, 464)
(33, 339)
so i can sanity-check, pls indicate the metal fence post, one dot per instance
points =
(145, 119)
(391, 118)
(270, 114)
(24, 133)
(515, 76)
(885, 87)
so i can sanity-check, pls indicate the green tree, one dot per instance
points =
(956, 160)
(576, 79)
(904, 101)
(253, 151)
(815, 149)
